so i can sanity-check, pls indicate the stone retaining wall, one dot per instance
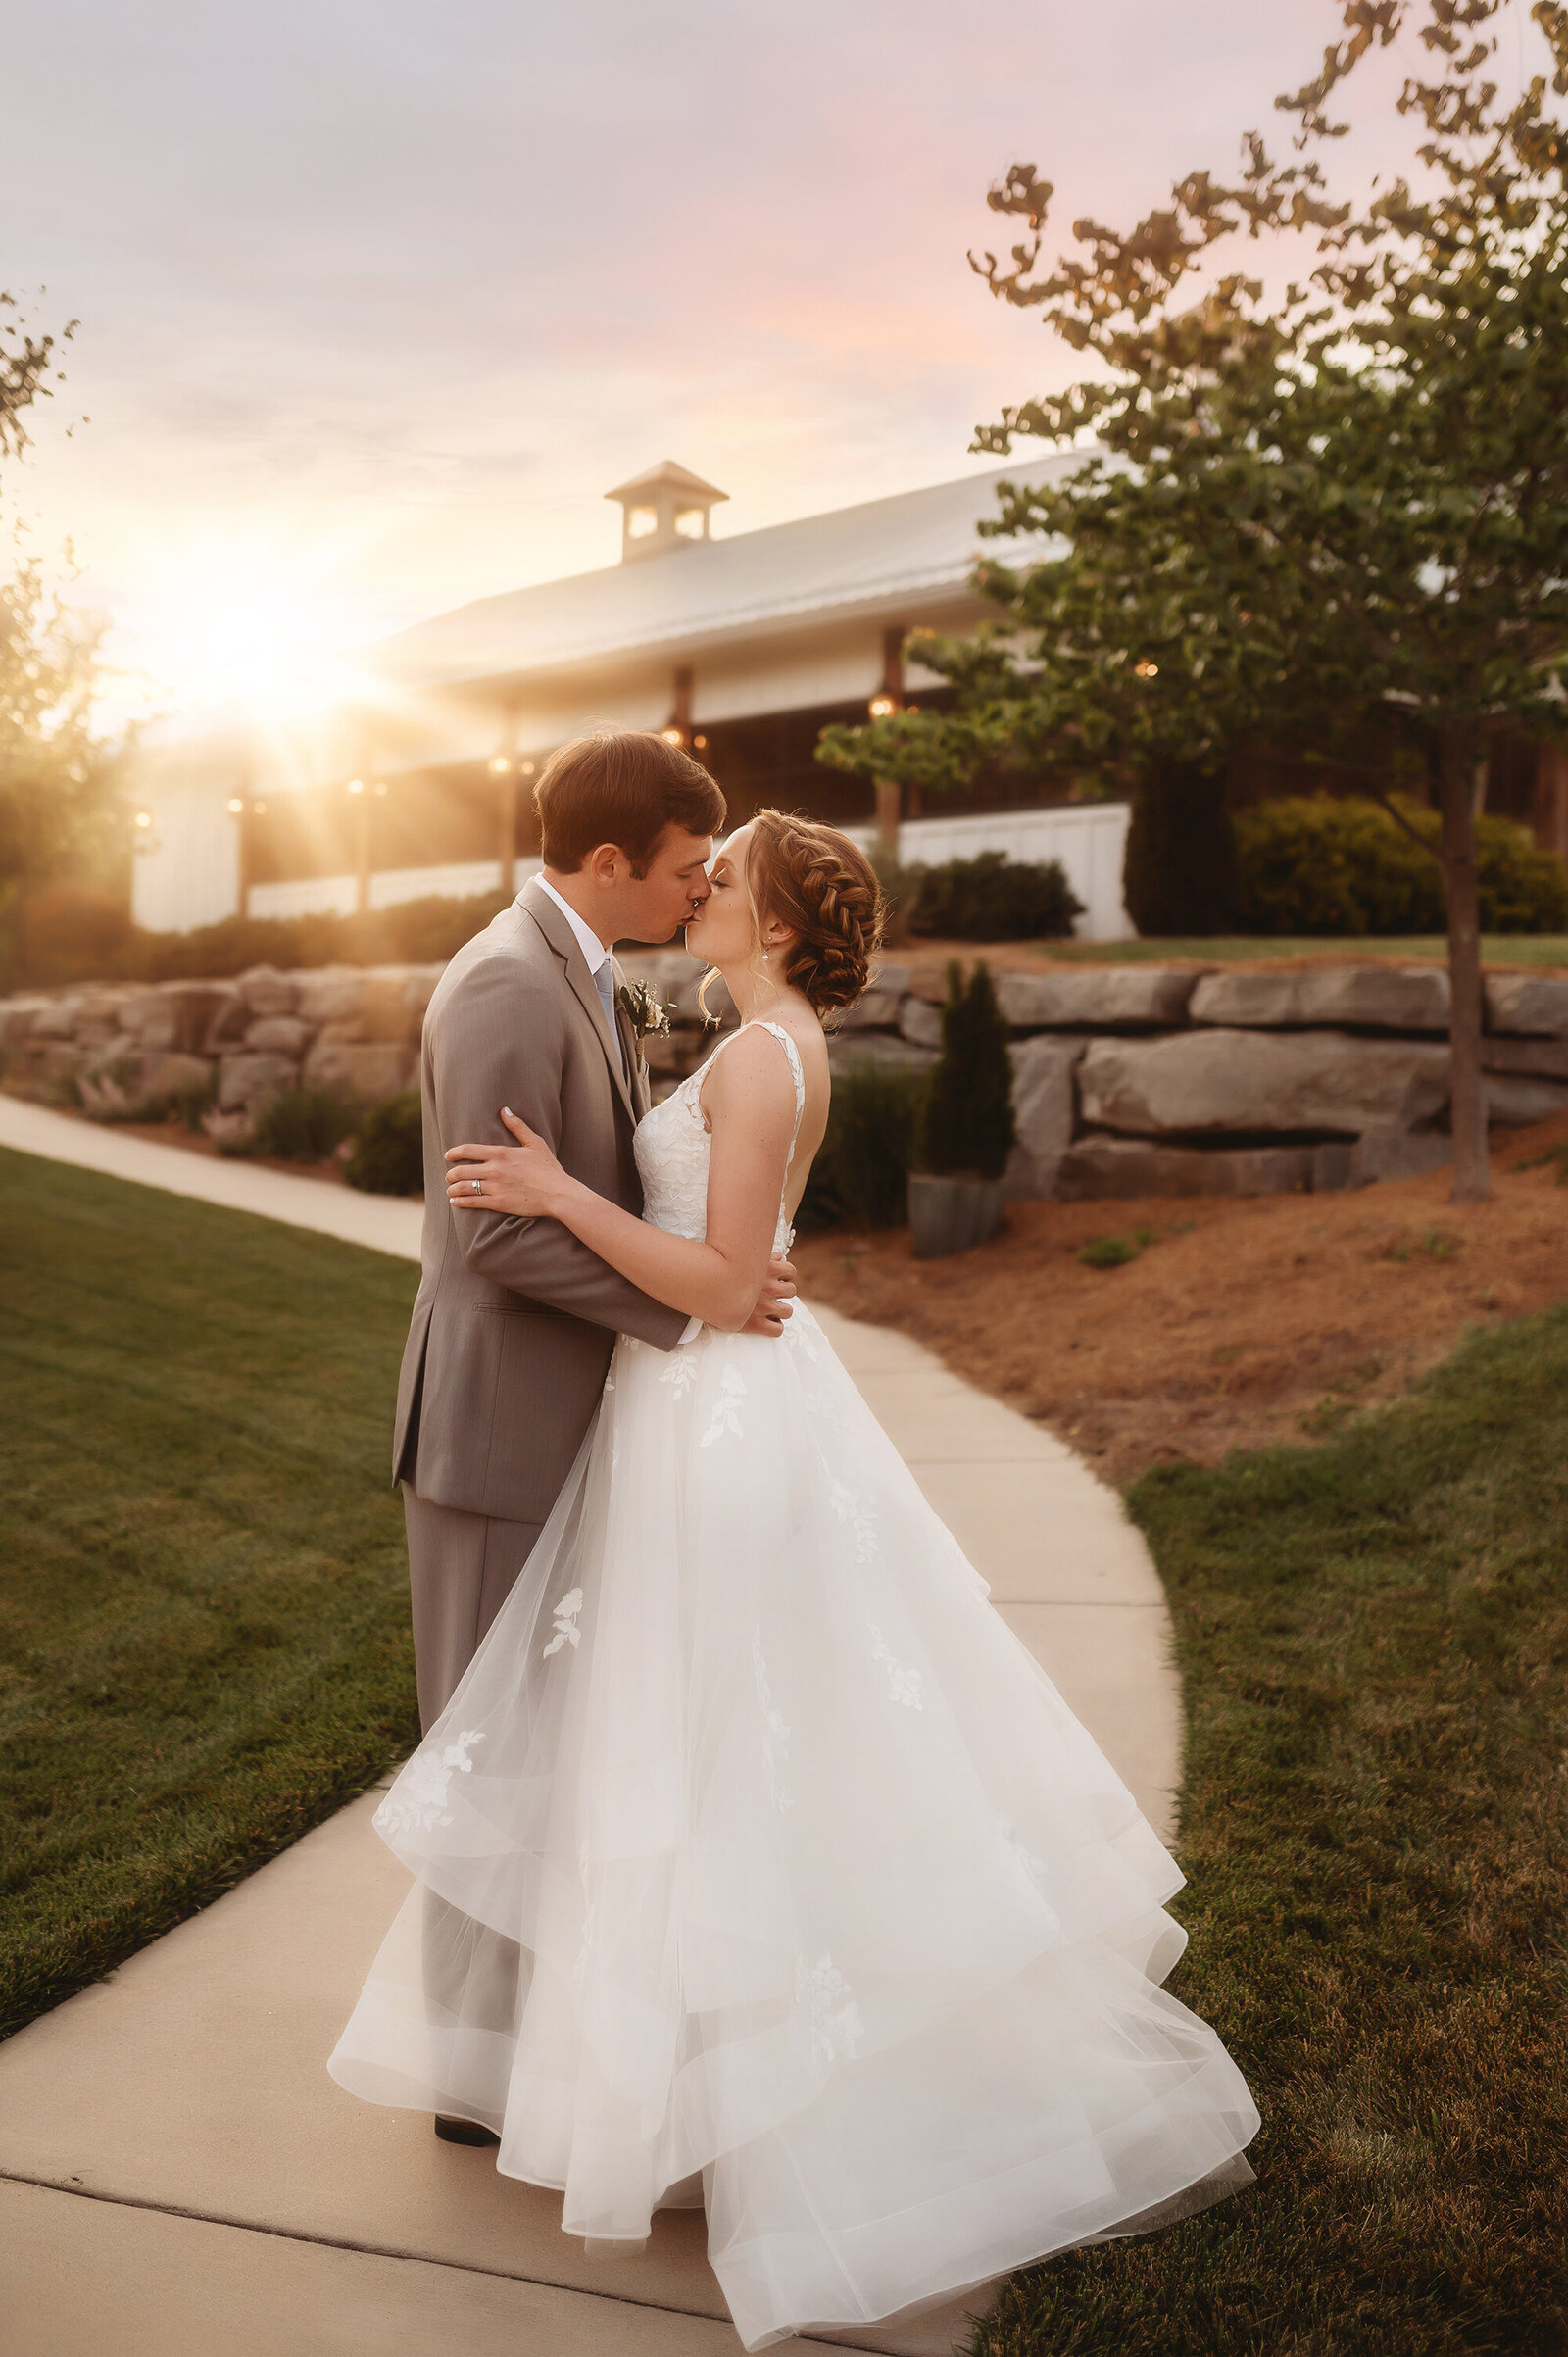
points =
(1128, 1080)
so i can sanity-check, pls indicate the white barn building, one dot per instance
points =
(746, 647)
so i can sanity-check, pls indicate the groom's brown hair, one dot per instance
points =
(622, 786)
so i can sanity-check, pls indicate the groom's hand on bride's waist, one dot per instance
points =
(774, 1304)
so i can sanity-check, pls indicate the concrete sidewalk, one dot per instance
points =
(176, 2170)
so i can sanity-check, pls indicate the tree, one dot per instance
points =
(1337, 518)
(59, 806)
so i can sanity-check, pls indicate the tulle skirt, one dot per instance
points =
(759, 1863)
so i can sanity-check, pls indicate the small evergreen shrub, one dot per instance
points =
(302, 1125)
(860, 1174)
(1318, 865)
(388, 1156)
(1179, 870)
(988, 898)
(966, 1122)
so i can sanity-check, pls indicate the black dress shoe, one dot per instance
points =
(464, 2132)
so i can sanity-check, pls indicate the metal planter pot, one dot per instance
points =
(952, 1215)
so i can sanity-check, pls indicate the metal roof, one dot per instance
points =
(850, 561)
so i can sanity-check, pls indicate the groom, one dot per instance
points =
(515, 1319)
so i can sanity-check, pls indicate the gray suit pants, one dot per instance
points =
(461, 1571)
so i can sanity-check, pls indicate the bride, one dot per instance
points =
(758, 1864)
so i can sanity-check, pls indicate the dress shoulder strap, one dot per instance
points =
(797, 1068)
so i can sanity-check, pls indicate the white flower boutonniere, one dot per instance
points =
(647, 1013)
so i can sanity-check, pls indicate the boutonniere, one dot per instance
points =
(647, 1014)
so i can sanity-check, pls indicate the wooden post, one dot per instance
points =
(1552, 800)
(889, 793)
(681, 710)
(507, 826)
(361, 849)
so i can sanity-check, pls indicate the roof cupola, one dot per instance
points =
(665, 508)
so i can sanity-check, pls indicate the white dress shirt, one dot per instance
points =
(596, 956)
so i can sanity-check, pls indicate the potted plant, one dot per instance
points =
(965, 1128)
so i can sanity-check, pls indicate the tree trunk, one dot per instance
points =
(1472, 1170)
(889, 813)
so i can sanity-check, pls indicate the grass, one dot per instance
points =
(1115, 1251)
(204, 1630)
(1373, 1636)
(1496, 949)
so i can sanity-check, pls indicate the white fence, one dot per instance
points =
(1089, 838)
(319, 896)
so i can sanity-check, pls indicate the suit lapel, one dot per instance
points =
(632, 1046)
(561, 939)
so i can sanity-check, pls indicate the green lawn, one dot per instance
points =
(1496, 949)
(204, 1638)
(1373, 1636)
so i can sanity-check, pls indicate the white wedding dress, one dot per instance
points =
(759, 1864)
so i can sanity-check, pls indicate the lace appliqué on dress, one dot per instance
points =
(726, 1407)
(776, 1731)
(679, 1371)
(566, 1630)
(904, 1683)
(417, 1802)
(836, 2024)
(858, 1514)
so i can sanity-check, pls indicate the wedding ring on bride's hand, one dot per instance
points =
(478, 1184)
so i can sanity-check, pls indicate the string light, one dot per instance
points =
(356, 785)
(1146, 669)
(236, 805)
(500, 766)
(882, 707)
(144, 819)
(673, 736)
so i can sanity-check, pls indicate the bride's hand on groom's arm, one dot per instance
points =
(525, 1181)
(776, 1300)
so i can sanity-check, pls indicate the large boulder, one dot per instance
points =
(278, 1035)
(245, 1077)
(385, 1012)
(875, 1010)
(332, 996)
(1547, 1057)
(124, 1083)
(17, 1021)
(184, 1017)
(1536, 1003)
(1120, 1168)
(45, 1069)
(367, 1069)
(1370, 997)
(1516, 1099)
(265, 991)
(1209, 1082)
(884, 1048)
(57, 1019)
(1097, 998)
(921, 1021)
(1043, 1112)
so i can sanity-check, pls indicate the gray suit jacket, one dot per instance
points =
(516, 1320)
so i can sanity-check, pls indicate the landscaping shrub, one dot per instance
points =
(1179, 870)
(1319, 866)
(860, 1174)
(302, 1125)
(87, 937)
(388, 1157)
(988, 898)
(966, 1119)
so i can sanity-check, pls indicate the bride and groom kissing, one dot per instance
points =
(757, 1865)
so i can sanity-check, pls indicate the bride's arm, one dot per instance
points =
(749, 1097)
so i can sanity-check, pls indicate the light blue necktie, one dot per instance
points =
(605, 988)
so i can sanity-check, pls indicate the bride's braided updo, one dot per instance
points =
(823, 886)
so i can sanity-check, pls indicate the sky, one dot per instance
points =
(378, 300)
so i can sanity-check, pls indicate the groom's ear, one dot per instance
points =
(605, 864)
